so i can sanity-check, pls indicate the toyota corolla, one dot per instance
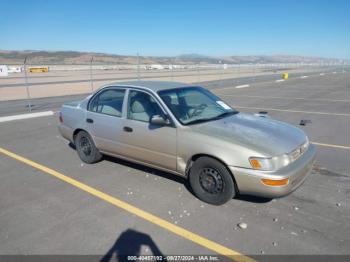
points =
(188, 131)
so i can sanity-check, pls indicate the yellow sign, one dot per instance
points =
(285, 76)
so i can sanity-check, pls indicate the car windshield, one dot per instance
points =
(192, 105)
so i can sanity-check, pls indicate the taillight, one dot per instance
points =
(60, 117)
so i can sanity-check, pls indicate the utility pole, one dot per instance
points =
(198, 74)
(138, 67)
(172, 69)
(27, 85)
(254, 71)
(91, 80)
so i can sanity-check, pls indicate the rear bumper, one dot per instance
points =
(66, 132)
(249, 180)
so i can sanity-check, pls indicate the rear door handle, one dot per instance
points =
(127, 129)
(89, 120)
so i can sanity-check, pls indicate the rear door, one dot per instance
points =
(105, 119)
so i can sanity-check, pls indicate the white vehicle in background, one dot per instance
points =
(154, 67)
(14, 69)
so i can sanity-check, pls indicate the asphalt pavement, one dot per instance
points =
(43, 214)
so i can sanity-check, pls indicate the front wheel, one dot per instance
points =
(86, 148)
(211, 182)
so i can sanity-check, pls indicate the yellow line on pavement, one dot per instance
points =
(293, 111)
(202, 241)
(331, 145)
(288, 98)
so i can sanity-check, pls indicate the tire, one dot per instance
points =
(211, 182)
(86, 148)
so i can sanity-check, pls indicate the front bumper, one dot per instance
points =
(249, 180)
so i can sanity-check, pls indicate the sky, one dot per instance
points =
(174, 27)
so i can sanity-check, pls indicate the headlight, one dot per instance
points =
(269, 164)
(275, 163)
(260, 163)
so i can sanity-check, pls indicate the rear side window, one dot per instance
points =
(109, 102)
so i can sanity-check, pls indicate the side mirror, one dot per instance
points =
(159, 120)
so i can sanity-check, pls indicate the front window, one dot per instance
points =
(192, 105)
(142, 106)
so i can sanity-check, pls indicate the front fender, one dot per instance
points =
(191, 144)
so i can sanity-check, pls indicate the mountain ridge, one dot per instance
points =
(77, 57)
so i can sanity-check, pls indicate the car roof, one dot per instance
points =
(155, 86)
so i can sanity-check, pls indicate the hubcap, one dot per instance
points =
(85, 146)
(211, 180)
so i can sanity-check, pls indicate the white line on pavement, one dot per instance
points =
(242, 86)
(25, 116)
(294, 111)
(331, 145)
(322, 74)
(279, 80)
(302, 77)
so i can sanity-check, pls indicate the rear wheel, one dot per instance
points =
(211, 182)
(86, 148)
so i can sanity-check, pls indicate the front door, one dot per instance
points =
(146, 142)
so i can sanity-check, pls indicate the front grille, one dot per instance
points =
(296, 153)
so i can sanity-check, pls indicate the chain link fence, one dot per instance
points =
(30, 81)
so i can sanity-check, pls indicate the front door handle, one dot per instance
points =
(89, 120)
(127, 129)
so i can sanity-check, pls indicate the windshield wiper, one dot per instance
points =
(226, 114)
(197, 121)
(201, 120)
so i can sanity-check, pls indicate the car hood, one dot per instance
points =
(265, 135)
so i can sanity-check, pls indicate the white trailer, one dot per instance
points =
(154, 67)
(3, 70)
(14, 69)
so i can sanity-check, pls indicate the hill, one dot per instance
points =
(74, 57)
